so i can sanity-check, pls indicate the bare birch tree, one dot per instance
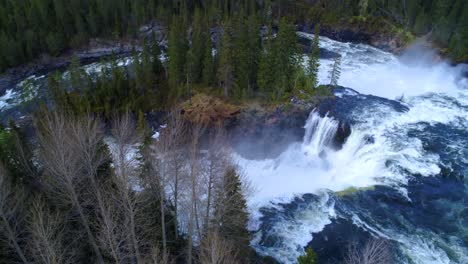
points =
(11, 203)
(216, 162)
(125, 163)
(194, 174)
(174, 136)
(375, 251)
(216, 250)
(47, 232)
(64, 169)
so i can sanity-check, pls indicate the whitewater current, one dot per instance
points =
(408, 158)
(410, 162)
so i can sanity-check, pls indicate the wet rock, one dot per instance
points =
(359, 33)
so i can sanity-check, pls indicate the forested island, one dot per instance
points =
(125, 124)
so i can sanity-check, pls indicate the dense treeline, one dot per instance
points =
(33, 27)
(81, 195)
(242, 65)
(446, 20)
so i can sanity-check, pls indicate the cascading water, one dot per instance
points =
(319, 132)
(410, 158)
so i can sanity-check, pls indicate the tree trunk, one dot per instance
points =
(11, 235)
(85, 223)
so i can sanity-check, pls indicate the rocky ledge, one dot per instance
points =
(258, 130)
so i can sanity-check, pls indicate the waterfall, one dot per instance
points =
(319, 132)
(392, 154)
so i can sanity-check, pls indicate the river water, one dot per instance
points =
(409, 158)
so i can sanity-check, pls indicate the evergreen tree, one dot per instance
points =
(158, 67)
(314, 62)
(267, 68)
(335, 72)
(241, 57)
(254, 50)
(208, 62)
(199, 33)
(226, 62)
(232, 212)
(309, 258)
(177, 51)
(286, 58)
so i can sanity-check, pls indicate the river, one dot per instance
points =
(409, 158)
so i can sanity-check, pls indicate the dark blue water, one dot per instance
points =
(425, 217)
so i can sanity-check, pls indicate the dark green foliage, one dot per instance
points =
(232, 212)
(208, 63)
(29, 28)
(309, 258)
(335, 72)
(116, 90)
(266, 70)
(16, 155)
(177, 52)
(279, 62)
(226, 69)
(314, 63)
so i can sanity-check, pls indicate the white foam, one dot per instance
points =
(433, 91)
(4, 100)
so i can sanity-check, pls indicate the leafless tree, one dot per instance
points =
(63, 167)
(11, 203)
(156, 257)
(88, 143)
(47, 231)
(215, 250)
(375, 251)
(216, 162)
(173, 137)
(125, 163)
(194, 175)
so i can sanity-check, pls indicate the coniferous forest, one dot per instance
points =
(87, 180)
(29, 29)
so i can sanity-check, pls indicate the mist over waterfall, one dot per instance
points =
(408, 157)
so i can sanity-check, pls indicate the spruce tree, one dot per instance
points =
(232, 212)
(199, 33)
(308, 258)
(177, 51)
(226, 62)
(335, 72)
(254, 50)
(208, 62)
(314, 62)
(286, 58)
(241, 58)
(267, 68)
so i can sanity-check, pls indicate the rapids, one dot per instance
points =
(408, 157)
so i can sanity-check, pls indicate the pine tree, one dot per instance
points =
(335, 72)
(241, 58)
(255, 50)
(309, 258)
(158, 67)
(232, 212)
(199, 33)
(177, 51)
(208, 62)
(267, 68)
(286, 58)
(226, 62)
(314, 62)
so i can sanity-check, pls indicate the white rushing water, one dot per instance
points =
(434, 93)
